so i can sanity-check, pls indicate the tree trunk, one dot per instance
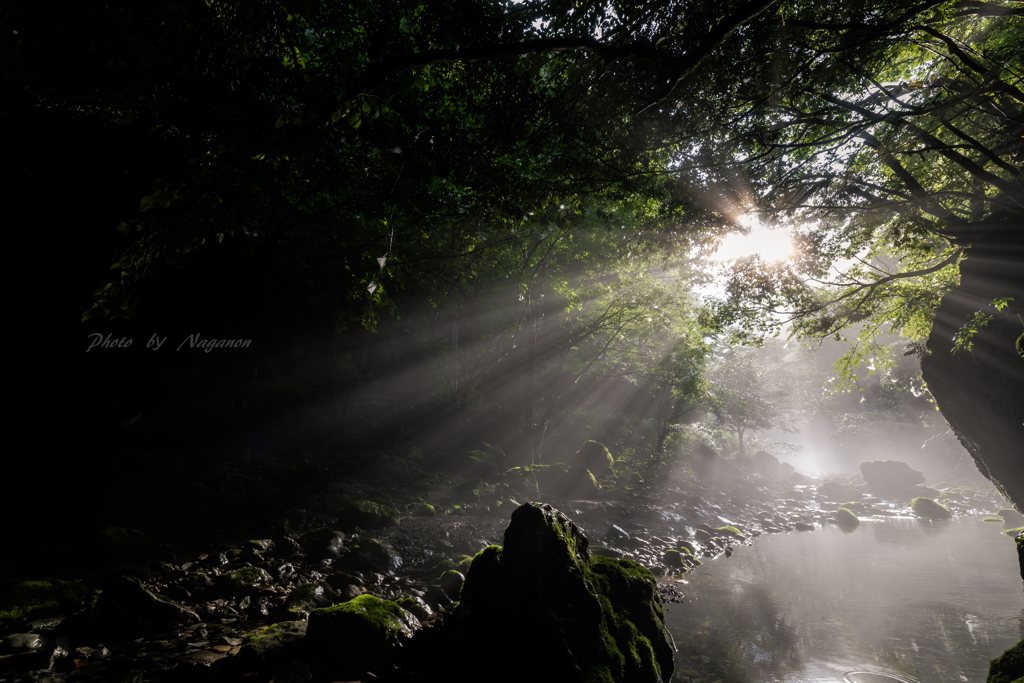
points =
(981, 392)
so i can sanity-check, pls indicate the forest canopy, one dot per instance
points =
(521, 183)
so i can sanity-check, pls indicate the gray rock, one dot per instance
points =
(373, 555)
(891, 479)
(21, 642)
(452, 582)
(416, 605)
(616, 535)
(324, 543)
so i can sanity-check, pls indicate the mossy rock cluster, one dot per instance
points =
(929, 509)
(1009, 667)
(541, 607)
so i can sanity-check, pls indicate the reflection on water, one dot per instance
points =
(895, 600)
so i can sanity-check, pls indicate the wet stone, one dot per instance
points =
(21, 642)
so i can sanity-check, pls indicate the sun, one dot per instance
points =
(770, 244)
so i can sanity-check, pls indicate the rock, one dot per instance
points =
(423, 509)
(580, 617)
(261, 545)
(846, 519)
(286, 546)
(929, 509)
(596, 457)
(804, 526)
(437, 598)
(452, 582)
(366, 514)
(350, 638)
(303, 598)
(767, 464)
(836, 491)
(891, 479)
(21, 642)
(417, 606)
(244, 578)
(617, 535)
(324, 543)
(673, 559)
(126, 610)
(36, 599)
(576, 483)
(688, 546)
(373, 555)
(271, 644)
(352, 590)
(1008, 667)
(730, 530)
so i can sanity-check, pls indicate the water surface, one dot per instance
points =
(896, 599)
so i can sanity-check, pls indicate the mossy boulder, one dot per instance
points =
(1008, 667)
(348, 639)
(366, 514)
(541, 607)
(451, 583)
(595, 456)
(929, 509)
(272, 644)
(846, 519)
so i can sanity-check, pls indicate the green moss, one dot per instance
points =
(262, 638)
(730, 530)
(992, 518)
(348, 639)
(630, 609)
(846, 519)
(929, 509)
(39, 598)
(685, 550)
(601, 616)
(249, 576)
(383, 617)
(1014, 531)
(424, 509)
(1008, 667)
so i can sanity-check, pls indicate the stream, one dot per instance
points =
(896, 599)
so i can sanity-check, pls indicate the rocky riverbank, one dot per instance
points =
(242, 611)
